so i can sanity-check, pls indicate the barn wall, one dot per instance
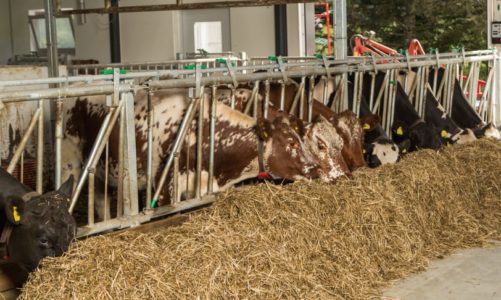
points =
(5, 38)
(92, 39)
(153, 36)
(252, 30)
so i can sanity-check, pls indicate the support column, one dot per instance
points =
(340, 31)
(51, 36)
(281, 30)
(115, 35)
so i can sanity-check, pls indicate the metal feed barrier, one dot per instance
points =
(119, 91)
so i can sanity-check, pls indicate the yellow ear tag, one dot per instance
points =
(265, 134)
(366, 126)
(400, 131)
(15, 214)
(444, 133)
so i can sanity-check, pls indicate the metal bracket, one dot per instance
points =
(231, 71)
(282, 68)
(326, 66)
(198, 79)
(116, 86)
(408, 60)
(438, 58)
(374, 64)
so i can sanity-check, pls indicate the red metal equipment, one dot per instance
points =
(327, 17)
(362, 45)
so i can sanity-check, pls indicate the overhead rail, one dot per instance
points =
(109, 9)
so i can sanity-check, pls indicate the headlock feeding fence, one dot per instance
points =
(207, 76)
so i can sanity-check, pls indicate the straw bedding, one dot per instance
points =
(305, 240)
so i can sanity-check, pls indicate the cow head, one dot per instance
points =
(444, 125)
(489, 131)
(351, 129)
(381, 152)
(327, 145)
(421, 135)
(42, 226)
(285, 155)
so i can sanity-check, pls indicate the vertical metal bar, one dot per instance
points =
(175, 188)
(21, 168)
(266, 98)
(51, 39)
(251, 102)
(59, 139)
(282, 95)
(200, 132)
(212, 139)
(233, 96)
(302, 98)
(120, 164)
(149, 168)
(90, 207)
(297, 97)
(40, 147)
(373, 85)
(106, 205)
(325, 96)
(340, 34)
(131, 202)
(310, 98)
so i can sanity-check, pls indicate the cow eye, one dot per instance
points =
(44, 242)
(322, 145)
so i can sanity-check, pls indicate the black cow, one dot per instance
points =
(436, 115)
(407, 124)
(39, 225)
(465, 116)
(379, 149)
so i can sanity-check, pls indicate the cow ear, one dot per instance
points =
(66, 188)
(369, 122)
(399, 129)
(264, 129)
(14, 209)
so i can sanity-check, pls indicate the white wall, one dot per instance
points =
(253, 30)
(152, 36)
(5, 44)
(92, 39)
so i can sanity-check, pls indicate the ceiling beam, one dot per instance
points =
(178, 6)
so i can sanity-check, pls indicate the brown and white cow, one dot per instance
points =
(287, 153)
(346, 124)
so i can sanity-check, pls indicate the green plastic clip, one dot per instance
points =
(193, 66)
(401, 51)
(394, 82)
(318, 55)
(272, 58)
(110, 72)
(153, 203)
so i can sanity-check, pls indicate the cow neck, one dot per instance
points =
(263, 174)
(416, 123)
(7, 229)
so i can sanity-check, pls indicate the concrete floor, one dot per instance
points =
(473, 274)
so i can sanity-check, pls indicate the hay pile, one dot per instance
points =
(305, 240)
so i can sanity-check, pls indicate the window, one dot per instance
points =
(65, 33)
(208, 36)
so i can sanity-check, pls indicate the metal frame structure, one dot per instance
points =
(108, 9)
(119, 89)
